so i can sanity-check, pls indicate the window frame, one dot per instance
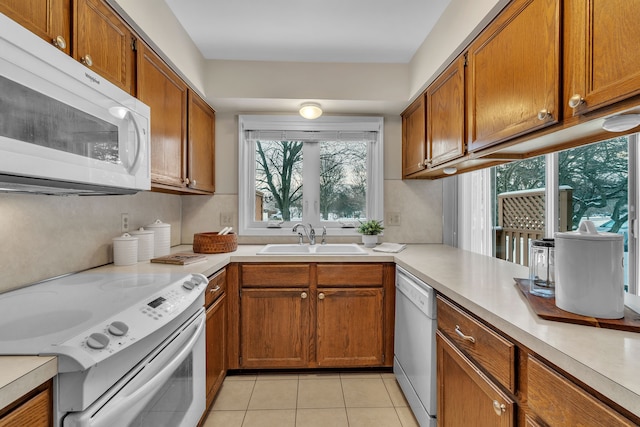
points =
(247, 226)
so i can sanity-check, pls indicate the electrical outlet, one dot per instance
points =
(226, 219)
(124, 222)
(393, 218)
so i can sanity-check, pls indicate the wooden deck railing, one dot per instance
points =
(521, 219)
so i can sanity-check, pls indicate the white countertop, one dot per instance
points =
(604, 359)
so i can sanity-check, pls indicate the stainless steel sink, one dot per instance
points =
(328, 249)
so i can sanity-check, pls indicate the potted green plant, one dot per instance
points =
(370, 230)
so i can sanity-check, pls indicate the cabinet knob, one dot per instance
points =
(498, 408)
(463, 336)
(320, 295)
(544, 114)
(575, 101)
(193, 183)
(186, 181)
(86, 60)
(59, 42)
(304, 295)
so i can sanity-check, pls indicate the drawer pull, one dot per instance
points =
(463, 336)
(214, 290)
(498, 408)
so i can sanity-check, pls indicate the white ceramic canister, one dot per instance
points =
(161, 238)
(590, 272)
(125, 250)
(145, 243)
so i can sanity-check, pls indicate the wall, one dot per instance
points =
(47, 236)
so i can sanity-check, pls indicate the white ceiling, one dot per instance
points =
(364, 31)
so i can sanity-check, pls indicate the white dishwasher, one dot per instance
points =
(414, 361)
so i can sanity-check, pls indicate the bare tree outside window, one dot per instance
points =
(343, 180)
(279, 177)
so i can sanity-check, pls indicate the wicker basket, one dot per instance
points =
(213, 243)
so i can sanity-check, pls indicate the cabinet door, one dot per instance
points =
(48, 19)
(35, 412)
(601, 61)
(162, 90)
(514, 74)
(216, 345)
(413, 138)
(274, 328)
(350, 327)
(445, 115)
(467, 397)
(104, 43)
(201, 144)
(561, 403)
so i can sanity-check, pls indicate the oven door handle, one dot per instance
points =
(143, 383)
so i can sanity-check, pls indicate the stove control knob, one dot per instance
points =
(118, 328)
(188, 285)
(97, 341)
(199, 279)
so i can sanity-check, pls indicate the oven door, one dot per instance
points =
(165, 389)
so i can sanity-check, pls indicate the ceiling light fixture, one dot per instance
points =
(621, 122)
(450, 170)
(310, 110)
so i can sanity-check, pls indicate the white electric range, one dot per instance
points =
(116, 335)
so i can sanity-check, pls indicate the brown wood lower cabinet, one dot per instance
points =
(466, 396)
(559, 402)
(274, 328)
(313, 315)
(33, 410)
(349, 328)
(216, 334)
(487, 379)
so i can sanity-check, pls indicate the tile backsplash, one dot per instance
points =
(47, 236)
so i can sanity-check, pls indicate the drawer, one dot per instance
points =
(492, 352)
(557, 401)
(350, 275)
(274, 275)
(216, 287)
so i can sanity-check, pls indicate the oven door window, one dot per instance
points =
(171, 402)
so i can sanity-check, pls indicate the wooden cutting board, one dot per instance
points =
(547, 309)
(182, 258)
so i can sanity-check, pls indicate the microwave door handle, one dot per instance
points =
(138, 141)
(140, 395)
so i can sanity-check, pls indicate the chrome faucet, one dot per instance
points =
(311, 233)
(324, 235)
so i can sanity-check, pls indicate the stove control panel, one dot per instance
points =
(138, 321)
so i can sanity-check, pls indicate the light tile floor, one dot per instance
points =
(311, 400)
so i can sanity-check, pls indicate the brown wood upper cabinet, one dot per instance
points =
(601, 64)
(201, 147)
(48, 19)
(93, 34)
(514, 74)
(104, 43)
(162, 90)
(414, 149)
(445, 115)
(182, 129)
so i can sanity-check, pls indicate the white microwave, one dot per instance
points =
(63, 128)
